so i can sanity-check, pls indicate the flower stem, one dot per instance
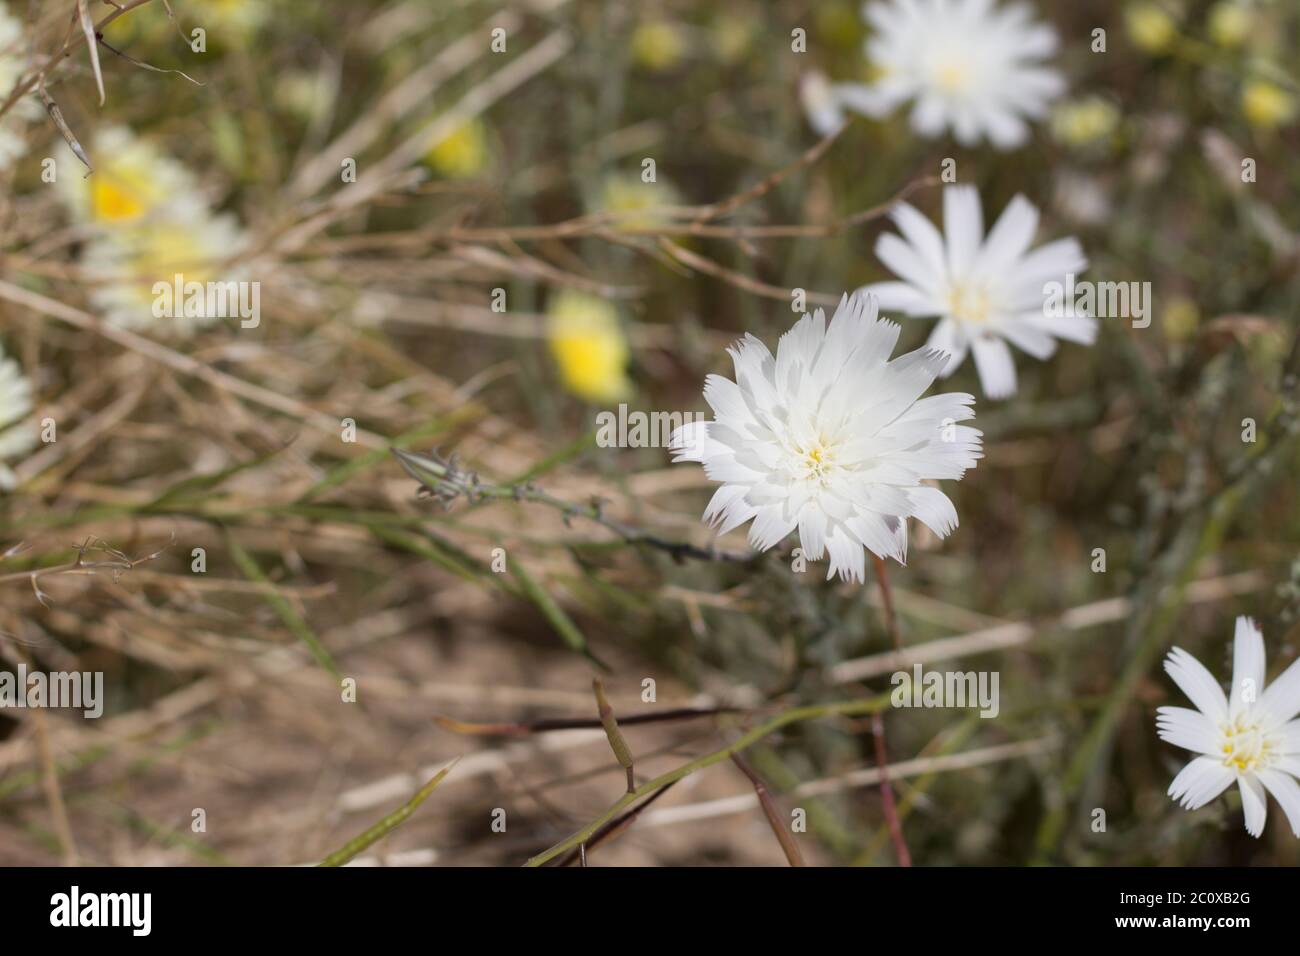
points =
(889, 807)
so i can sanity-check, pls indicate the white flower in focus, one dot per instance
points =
(987, 290)
(15, 402)
(967, 65)
(1250, 737)
(829, 437)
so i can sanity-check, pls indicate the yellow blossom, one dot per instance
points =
(588, 346)
(462, 153)
(1086, 121)
(638, 203)
(1266, 105)
(1229, 23)
(1150, 27)
(1180, 318)
(658, 45)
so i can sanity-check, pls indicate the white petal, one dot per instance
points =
(922, 235)
(848, 560)
(812, 532)
(902, 297)
(1289, 736)
(1200, 782)
(1253, 803)
(1198, 684)
(963, 226)
(769, 527)
(1281, 699)
(1287, 793)
(1247, 666)
(1028, 337)
(1010, 236)
(997, 369)
(908, 263)
(933, 509)
(1189, 729)
(948, 337)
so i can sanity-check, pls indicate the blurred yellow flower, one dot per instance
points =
(1229, 23)
(639, 203)
(658, 45)
(732, 37)
(462, 153)
(1267, 106)
(1180, 318)
(241, 15)
(1085, 121)
(588, 346)
(1149, 27)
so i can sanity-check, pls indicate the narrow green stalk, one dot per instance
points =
(847, 708)
(388, 824)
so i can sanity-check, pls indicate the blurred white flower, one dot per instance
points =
(821, 103)
(126, 265)
(828, 437)
(15, 402)
(1250, 737)
(967, 65)
(13, 142)
(987, 291)
(133, 181)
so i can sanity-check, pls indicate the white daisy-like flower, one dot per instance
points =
(126, 267)
(987, 290)
(1250, 737)
(16, 438)
(831, 438)
(967, 65)
(134, 182)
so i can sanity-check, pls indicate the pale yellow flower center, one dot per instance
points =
(969, 303)
(818, 460)
(951, 77)
(1245, 747)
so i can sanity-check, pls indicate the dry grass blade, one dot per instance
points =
(88, 28)
(56, 117)
(783, 835)
(527, 728)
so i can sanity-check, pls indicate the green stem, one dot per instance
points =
(847, 708)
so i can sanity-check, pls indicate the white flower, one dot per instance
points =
(968, 65)
(821, 102)
(1250, 737)
(134, 182)
(126, 265)
(13, 141)
(988, 291)
(16, 439)
(829, 438)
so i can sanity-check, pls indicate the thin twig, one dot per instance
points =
(888, 806)
(783, 835)
(446, 481)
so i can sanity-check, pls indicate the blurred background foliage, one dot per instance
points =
(385, 316)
